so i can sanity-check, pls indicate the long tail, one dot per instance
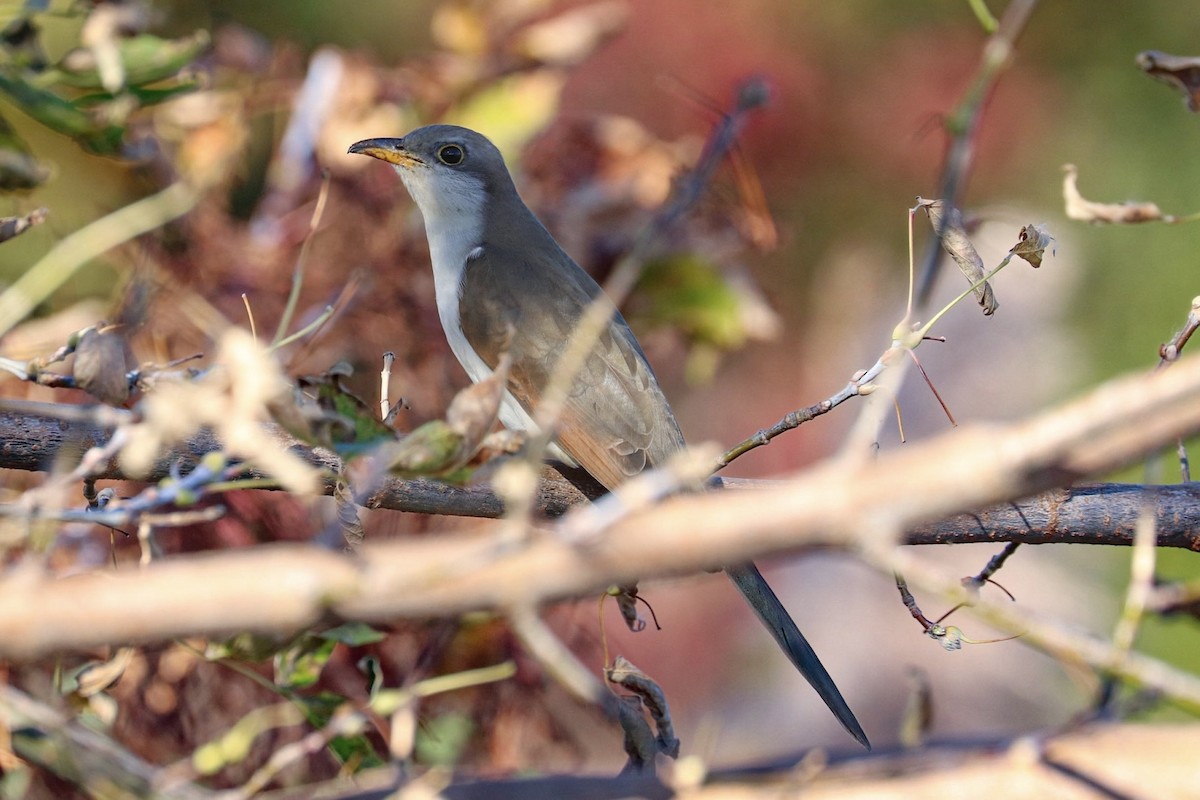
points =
(774, 616)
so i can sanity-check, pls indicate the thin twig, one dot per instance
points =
(289, 310)
(963, 125)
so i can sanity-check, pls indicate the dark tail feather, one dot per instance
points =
(774, 616)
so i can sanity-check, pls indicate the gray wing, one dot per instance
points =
(616, 421)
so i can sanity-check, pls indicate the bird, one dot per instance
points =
(503, 284)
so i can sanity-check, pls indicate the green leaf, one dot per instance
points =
(373, 670)
(353, 634)
(689, 293)
(337, 418)
(145, 97)
(299, 666)
(433, 449)
(441, 740)
(145, 59)
(58, 114)
(356, 752)
(251, 647)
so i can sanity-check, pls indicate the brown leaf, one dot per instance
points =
(624, 674)
(956, 242)
(96, 676)
(100, 366)
(1087, 211)
(1181, 72)
(1032, 245)
(474, 411)
(640, 744)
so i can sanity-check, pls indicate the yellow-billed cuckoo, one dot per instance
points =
(503, 282)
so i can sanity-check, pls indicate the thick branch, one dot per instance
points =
(34, 435)
(839, 503)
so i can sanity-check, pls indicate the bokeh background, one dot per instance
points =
(854, 132)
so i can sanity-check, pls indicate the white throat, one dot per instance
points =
(453, 207)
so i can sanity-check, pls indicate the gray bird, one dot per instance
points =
(503, 282)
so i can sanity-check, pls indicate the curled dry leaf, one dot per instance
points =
(1088, 211)
(624, 674)
(640, 745)
(627, 597)
(949, 223)
(442, 447)
(1032, 245)
(96, 676)
(100, 366)
(1181, 72)
(474, 410)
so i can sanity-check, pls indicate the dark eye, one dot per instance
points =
(451, 155)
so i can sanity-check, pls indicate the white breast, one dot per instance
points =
(453, 213)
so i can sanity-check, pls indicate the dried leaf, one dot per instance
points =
(640, 744)
(474, 411)
(1087, 211)
(96, 676)
(100, 367)
(442, 448)
(624, 674)
(1032, 245)
(956, 242)
(460, 29)
(1180, 72)
(627, 597)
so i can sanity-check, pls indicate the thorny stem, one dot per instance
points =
(903, 339)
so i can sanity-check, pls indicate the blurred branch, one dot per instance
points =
(1104, 514)
(65, 259)
(77, 753)
(1115, 761)
(848, 504)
